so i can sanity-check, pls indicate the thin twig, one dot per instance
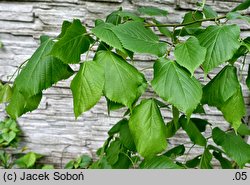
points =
(87, 55)
(129, 159)
(17, 70)
(169, 43)
(146, 68)
(185, 24)
(203, 4)
(215, 19)
(189, 152)
(63, 151)
(243, 65)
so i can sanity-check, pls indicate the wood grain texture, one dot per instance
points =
(52, 129)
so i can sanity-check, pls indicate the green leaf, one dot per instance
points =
(5, 93)
(199, 110)
(242, 6)
(44, 38)
(69, 165)
(9, 133)
(104, 33)
(234, 146)
(194, 31)
(214, 148)
(190, 54)
(223, 86)
(234, 109)
(87, 86)
(172, 128)
(185, 94)
(19, 105)
(242, 51)
(152, 11)
(209, 12)
(176, 115)
(113, 105)
(205, 162)
(102, 163)
(191, 17)
(65, 26)
(117, 127)
(123, 82)
(193, 132)
(244, 130)
(225, 163)
(148, 129)
(164, 30)
(248, 77)
(192, 163)
(5, 160)
(85, 161)
(48, 167)
(217, 39)
(175, 152)
(159, 162)
(224, 92)
(9, 136)
(103, 46)
(200, 123)
(113, 152)
(126, 15)
(114, 18)
(135, 37)
(126, 136)
(125, 53)
(236, 15)
(162, 104)
(246, 43)
(74, 42)
(28, 160)
(41, 71)
(122, 163)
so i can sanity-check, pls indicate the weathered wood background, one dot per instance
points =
(52, 129)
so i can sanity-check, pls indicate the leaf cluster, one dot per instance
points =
(140, 139)
(9, 138)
